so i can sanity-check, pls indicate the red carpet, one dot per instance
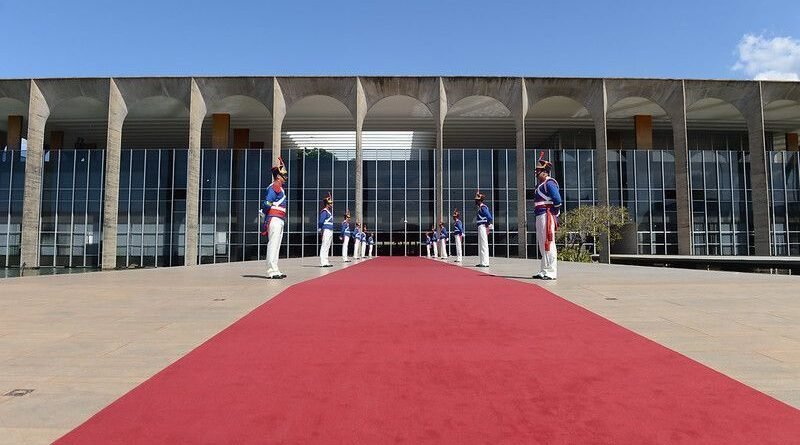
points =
(407, 350)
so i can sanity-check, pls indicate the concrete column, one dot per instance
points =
(361, 114)
(220, 130)
(683, 195)
(38, 112)
(758, 176)
(438, 183)
(14, 139)
(522, 213)
(278, 113)
(117, 110)
(241, 138)
(197, 113)
(792, 142)
(601, 169)
(643, 124)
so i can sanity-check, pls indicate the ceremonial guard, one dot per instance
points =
(443, 235)
(356, 241)
(458, 234)
(364, 241)
(371, 241)
(484, 221)
(325, 225)
(435, 241)
(547, 206)
(428, 243)
(273, 210)
(345, 236)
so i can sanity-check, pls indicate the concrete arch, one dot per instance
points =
(505, 90)
(421, 109)
(667, 94)
(245, 112)
(479, 121)
(588, 92)
(156, 121)
(328, 111)
(423, 89)
(550, 116)
(16, 89)
(216, 90)
(79, 121)
(295, 89)
(57, 91)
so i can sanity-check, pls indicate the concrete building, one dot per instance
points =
(125, 172)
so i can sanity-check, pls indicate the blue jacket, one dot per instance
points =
(371, 240)
(325, 220)
(547, 197)
(274, 204)
(484, 215)
(443, 233)
(356, 234)
(459, 228)
(345, 229)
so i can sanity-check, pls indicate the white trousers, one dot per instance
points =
(549, 257)
(363, 249)
(345, 243)
(370, 250)
(325, 249)
(458, 247)
(443, 248)
(357, 249)
(428, 246)
(435, 249)
(483, 245)
(275, 235)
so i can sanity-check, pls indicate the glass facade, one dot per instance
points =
(152, 208)
(784, 181)
(643, 181)
(71, 208)
(722, 218)
(12, 185)
(398, 198)
(494, 173)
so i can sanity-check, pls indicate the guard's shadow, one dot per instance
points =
(263, 277)
(516, 277)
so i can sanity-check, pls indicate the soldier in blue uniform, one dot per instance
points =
(458, 234)
(428, 243)
(345, 236)
(364, 241)
(435, 241)
(547, 206)
(273, 209)
(371, 243)
(325, 225)
(443, 235)
(356, 241)
(484, 221)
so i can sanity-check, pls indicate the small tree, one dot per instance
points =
(579, 225)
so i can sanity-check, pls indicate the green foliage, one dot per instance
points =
(581, 224)
(575, 253)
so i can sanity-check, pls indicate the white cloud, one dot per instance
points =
(762, 58)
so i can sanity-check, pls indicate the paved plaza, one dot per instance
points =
(82, 341)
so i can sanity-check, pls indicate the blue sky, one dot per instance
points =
(692, 39)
